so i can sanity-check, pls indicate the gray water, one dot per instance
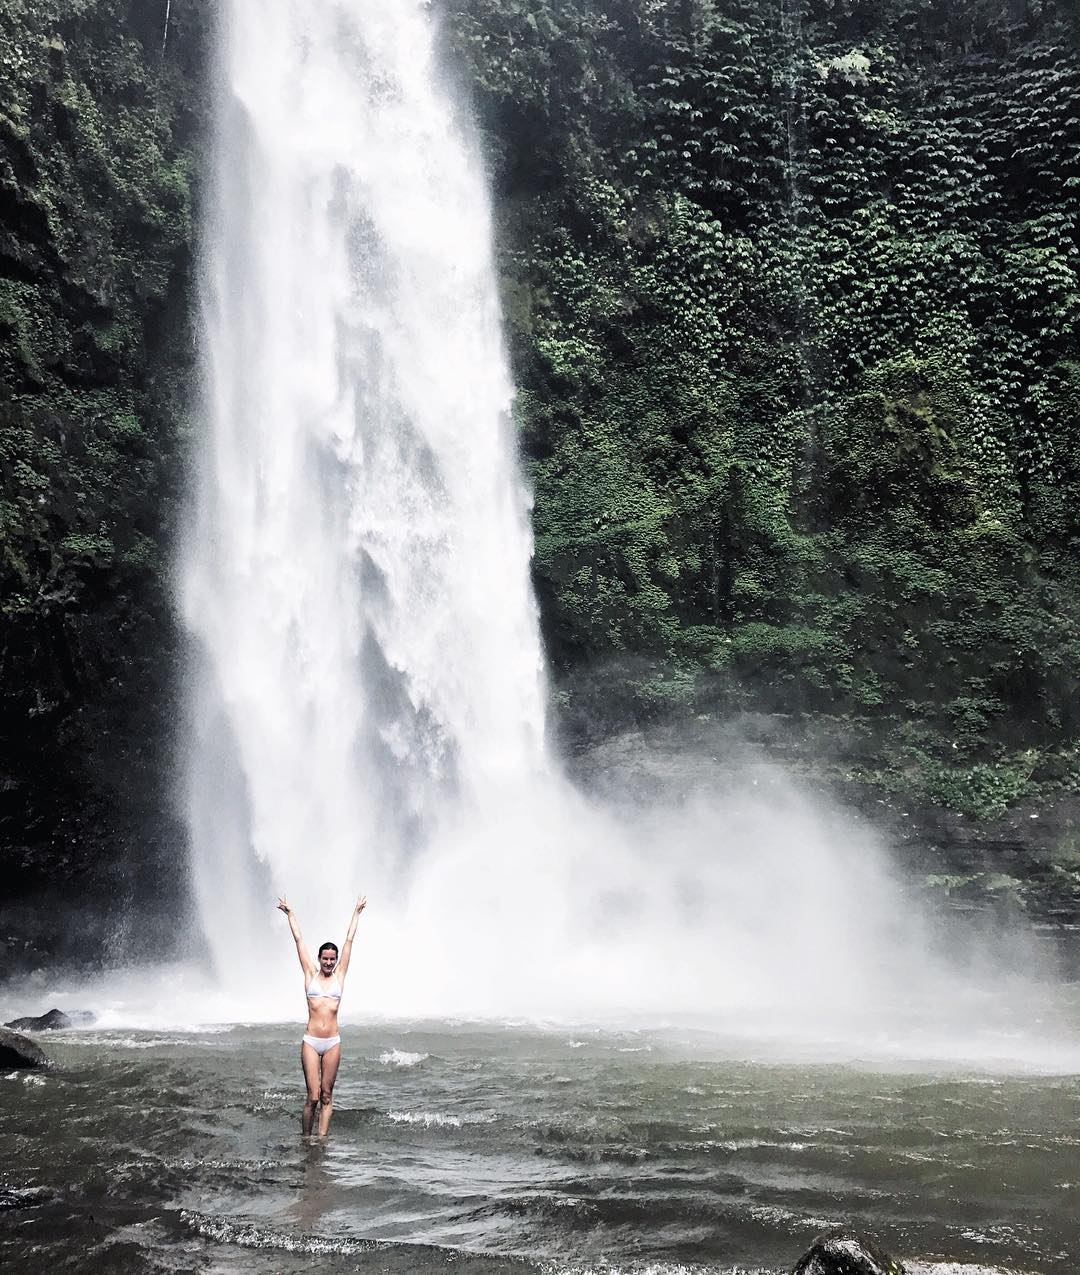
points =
(491, 1149)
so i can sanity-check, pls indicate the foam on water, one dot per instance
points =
(154, 1007)
(658, 1268)
(958, 1268)
(678, 1268)
(401, 1058)
(247, 1235)
(429, 1119)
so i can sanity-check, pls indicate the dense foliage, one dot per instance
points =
(794, 296)
(95, 360)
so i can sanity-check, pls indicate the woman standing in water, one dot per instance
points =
(320, 1052)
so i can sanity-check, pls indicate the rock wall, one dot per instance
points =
(794, 290)
(99, 133)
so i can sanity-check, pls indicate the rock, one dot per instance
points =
(19, 1051)
(54, 1020)
(846, 1253)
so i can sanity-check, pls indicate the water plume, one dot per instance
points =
(355, 576)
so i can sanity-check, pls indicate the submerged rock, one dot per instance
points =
(846, 1253)
(54, 1020)
(19, 1051)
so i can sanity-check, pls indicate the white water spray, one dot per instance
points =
(356, 577)
(367, 710)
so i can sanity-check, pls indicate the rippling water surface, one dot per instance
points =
(497, 1149)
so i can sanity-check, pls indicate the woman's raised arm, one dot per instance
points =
(307, 964)
(346, 951)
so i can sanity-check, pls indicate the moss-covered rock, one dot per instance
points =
(794, 296)
(98, 136)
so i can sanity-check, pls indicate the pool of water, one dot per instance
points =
(494, 1148)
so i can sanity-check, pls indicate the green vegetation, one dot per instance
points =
(96, 222)
(794, 290)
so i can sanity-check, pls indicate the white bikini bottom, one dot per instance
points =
(321, 1044)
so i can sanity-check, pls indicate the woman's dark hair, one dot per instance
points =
(326, 945)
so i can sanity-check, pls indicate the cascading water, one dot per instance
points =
(367, 710)
(356, 575)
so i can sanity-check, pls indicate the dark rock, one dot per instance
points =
(846, 1253)
(54, 1020)
(19, 1051)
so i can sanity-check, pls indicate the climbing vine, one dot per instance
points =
(793, 292)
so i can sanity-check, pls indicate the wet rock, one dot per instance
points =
(54, 1020)
(846, 1253)
(19, 1051)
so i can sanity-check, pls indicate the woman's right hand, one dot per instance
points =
(283, 906)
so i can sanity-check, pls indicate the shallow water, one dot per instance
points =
(514, 1148)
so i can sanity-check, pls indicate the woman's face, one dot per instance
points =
(327, 960)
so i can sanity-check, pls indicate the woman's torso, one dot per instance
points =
(323, 1001)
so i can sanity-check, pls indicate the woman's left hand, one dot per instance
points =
(361, 904)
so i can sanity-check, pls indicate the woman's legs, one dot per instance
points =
(309, 1061)
(330, 1061)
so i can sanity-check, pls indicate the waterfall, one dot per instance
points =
(366, 707)
(355, 577)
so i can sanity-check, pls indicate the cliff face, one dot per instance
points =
(98, 130)
(792, 291)
(794, 297)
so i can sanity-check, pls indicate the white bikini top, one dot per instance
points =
(333, 992)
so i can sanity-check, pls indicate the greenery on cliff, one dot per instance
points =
(794, 296)
(96, 228)
(792, 288)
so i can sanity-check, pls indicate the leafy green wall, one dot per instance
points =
(794, 296)
(98, 130)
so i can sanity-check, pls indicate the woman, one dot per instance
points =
(320, 1051)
